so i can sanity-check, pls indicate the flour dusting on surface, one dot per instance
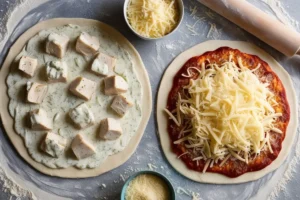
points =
(11, 18)
(14, 15)
(281, 13)
(289, 173)
(9, 186)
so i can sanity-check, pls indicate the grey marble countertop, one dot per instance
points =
(156, 55)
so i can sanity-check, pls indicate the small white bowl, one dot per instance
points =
(181, 14)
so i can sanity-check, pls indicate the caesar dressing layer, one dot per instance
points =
(59, 100)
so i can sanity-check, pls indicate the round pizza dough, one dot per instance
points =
(112, 161)
(166, 85)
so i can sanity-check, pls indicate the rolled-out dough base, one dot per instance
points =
(166, 85)
(112, 161)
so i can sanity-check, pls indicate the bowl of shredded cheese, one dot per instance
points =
(153, 19)
(147, 185)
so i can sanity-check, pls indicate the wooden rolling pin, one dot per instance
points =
(260, 24)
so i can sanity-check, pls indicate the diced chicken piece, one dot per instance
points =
(28, 65)
(87, 44)
(39, 120)
(110, 129)
(120, 105)
(115, 85)
(54, 144)
(56, 71)
(82, 116)
(36, 92)
(103, 64)
(57, 45)
(83, 88)
(82, 148)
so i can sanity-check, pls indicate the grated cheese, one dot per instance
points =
(227, 113)
(147, 187)
(153, 18)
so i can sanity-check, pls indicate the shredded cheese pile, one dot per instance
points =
(153, 18)
(147, 187)
(226, 113)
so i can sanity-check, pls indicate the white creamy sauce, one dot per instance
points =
(59, 100)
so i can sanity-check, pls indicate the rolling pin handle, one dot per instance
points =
(257, 22)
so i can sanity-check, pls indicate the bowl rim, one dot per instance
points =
(133, 176)
(181, 16)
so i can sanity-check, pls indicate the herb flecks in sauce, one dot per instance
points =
(59, 100)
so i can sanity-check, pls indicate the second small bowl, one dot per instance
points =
(170, 187)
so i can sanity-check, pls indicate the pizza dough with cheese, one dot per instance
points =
(162, 118)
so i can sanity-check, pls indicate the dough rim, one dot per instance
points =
(111, 162)
(165, 85)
